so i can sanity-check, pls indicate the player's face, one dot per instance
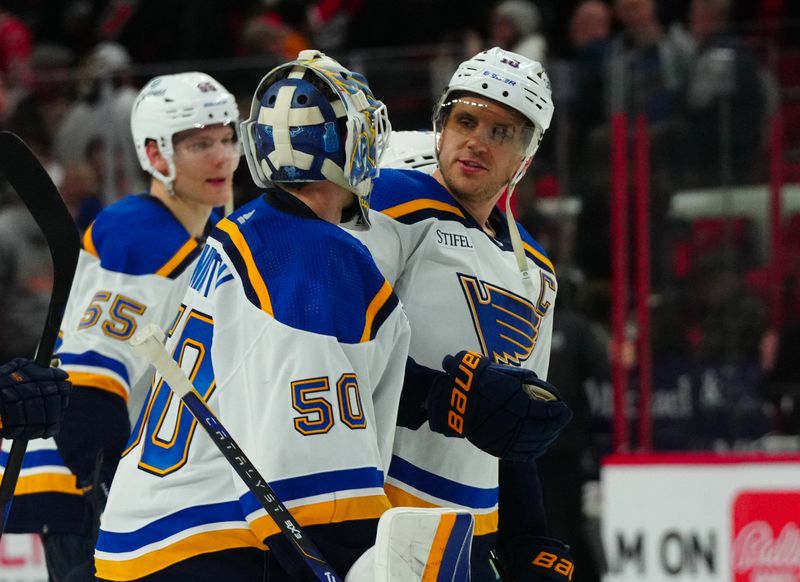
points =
(481, 146)
(205, 159)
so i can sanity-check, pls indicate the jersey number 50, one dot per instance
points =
(165, 422)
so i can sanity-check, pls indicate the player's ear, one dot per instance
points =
(155, 156)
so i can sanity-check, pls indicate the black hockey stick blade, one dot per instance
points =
(33, 185)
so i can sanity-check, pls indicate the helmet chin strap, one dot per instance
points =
(169, 179)
(513, 229)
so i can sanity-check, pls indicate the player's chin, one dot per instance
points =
(218, 195)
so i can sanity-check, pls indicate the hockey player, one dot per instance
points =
(32, 400)
(134, 268)
(453, 259)
(294, 337)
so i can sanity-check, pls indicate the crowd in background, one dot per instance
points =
(709, 75)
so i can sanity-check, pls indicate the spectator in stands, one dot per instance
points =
(26, 280)
(589, 39)
(269, 33)
(103, 111)
(726, 88)
(653, 61)
(516, 26)
(16, 46)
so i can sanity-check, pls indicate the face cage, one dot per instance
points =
(367, 141)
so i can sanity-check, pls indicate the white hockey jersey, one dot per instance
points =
(133, 270)
(461, 290)
(298, 343)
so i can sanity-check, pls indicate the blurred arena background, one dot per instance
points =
(667, 194)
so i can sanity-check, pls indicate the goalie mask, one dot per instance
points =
(507, 78)
(170, 104)
(313, 120)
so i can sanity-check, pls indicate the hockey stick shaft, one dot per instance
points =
(148, 342)
(36, 190)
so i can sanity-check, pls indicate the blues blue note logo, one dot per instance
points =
(507, 324)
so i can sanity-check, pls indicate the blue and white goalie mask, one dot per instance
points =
(313, 120)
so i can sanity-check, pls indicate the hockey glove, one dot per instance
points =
(32, 399)
(505, 411)
(534, 559)
(93, 436)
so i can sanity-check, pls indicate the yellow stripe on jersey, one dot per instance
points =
(374, 307)
(201, 543)
(88, 243)
(539, 256)
(46, 483)
(434, 563)
(100, 382)
(422, 204)
(253, 275)
(485, 523)
(371, 507)
(177, 258)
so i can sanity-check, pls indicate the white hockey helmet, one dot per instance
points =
(169, 104)
(313, 120)
(509, 79)
(411, 150)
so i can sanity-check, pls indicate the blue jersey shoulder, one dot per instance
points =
(308, 274)
(412, 195)
(139, 236)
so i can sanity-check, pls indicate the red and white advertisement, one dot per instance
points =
(708, 518)
(766, 536)
(22, 559)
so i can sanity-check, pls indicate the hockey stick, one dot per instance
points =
(34, 187)
(148, 342)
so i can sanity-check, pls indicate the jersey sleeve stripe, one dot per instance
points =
(43, 471)
(170, 525)
(341, 510)
(92, 359)
(539, 258)
(34, 459)
(47, 483)
(421, 204)
(485, 523)
(441, 487)
(250, 276)
(319, 484)
(99, 382)
(194, 545)
(88, 243)
(169, 268)
(378, 310)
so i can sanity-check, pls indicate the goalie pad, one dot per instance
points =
(414, 543)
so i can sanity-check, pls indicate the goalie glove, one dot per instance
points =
(32, 399)
(533, 559)
(505, 411)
